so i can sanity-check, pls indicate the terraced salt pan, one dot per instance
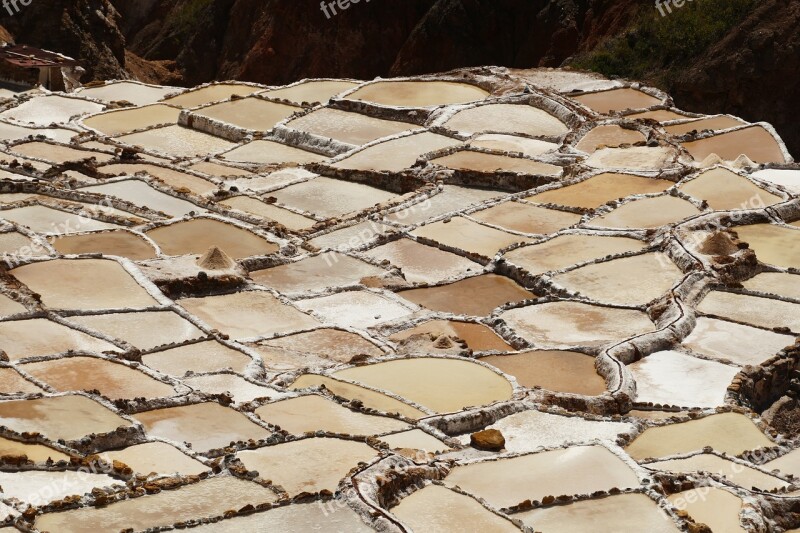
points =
(159, 458)
(358, 309)
(763, 312)
(350, 128)
(41, 488)
(208, 356)
(789, 179)
(674, 378)
(248, 113)
(567, 250)
(39, 336)
(221, 171)
(436, 508)
(774, 245)
(647, 213)
(724, 190)
(316, 273)
(775, 283)
(173, 178)
(47, 220)
(755, 142)
(260, 152)
(238, 388)
(328, 197)
(120, 243)
(9, 307)
(333, 344)
(507, 118)
(659, 115)
(565, 324)
(211, 93)
(73, 284)
(482, 162)
(196, 236)
(476, 296)
(204, 425)
(786, 464)
(13, 132)
(741, 475)
(451, 198)
(716, 508)
(57, 153)
(464, 234)
(526, 218)
(478, 337)
(287, 218)
(418, 93)
(315, 413)
(308, 465)
(297, 517)
(420, 263)
(558, 371)
(507, 482)
(613, 514)
(140, 193)
(443, 385)
(350, 237)
(414, 439)
(208, 498)
(601, 189)
(743, 345)
(397, 154)
(721, 122)
(11, 382)
(605, 102)
(135, 93)
(144, 330)
(60, 417)
(633, 158)
(126, 120)
(312, 91)
(731, 433)
(177, 141)
(37, 453)
(271, 181)
(610, 136)
(50, 109)
(513, 143)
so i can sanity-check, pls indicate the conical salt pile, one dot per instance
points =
(710, 161)
(744, 162)
(215, 259)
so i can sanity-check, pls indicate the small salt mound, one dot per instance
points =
(744, 162)
(215, 259)
(710, 161)
(719, 243)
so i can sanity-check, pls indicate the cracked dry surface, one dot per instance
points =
(235, 308)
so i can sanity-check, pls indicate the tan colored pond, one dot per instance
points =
(316, 273)
(47, 109)
(476, 296)
(568, 250)
(613, 514)
(482, 162)
(721, 122)
(346, 127)
(207, 356)
(12, 242)
(755, 142)
(172, 178)
(260, 152)
(743, 345)
(610, 136)
(527, 218)
(513, 143)
(774, 245)
(508, 482)
(9, 307)
(120, 243)
(317, 516)
(724, 190)
(333, 344)
(159, 458)
(357, 309)
(397, 154)
(507, 118)
(125, 120)
(565, 324)
(14, 132)
(350, 237)
(739, 474)
(238, 388)
(291, 220)
(731, 433)
(775, 283)
(418, 93)
(328, 197)
(39, 336)
(57, 153)
(421, 263)
(718, 509)
(601, 189)
(450, 199)
(177, 141)
(74, 283)
(204, 425)
(604, 102)
(443, 385)
(436, 508)
(414, 439)
(647, 213)
(478, 337)
(248, 314)
(312, 91)
(206, 499)
(113, 380)
(308, 465)
(196, 236)
(41, 488)
(786, 464)
(140, 193)
(37, 453)
(315, 413)
(633, 158)
(145, 330)
(53, 221)
(11, 382)
(61, 417)
(464, 234)
(660, 115)
(136, 93)
(211, 93)
(763, 312)
(559, 371)
(221, 171)
(249, 113)
(674, 378)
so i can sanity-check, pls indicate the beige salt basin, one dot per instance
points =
(470, 160)
(13, 132)
(308, 465)
(312, 91)
(140, 193)
(526, 218)
(507, 482)
(212, 93)
(351, 237)
(762, 312)
(118, 243)
(450, 198)
(755, 142)
(60, 417)
(74, 284)
(604, 102)
(507, 118)
(249, 113)
(558, 371)
(786, 464)
(172, 178)
(724, 190)
(513, 143)
(647, 213)
(328, 197)
(177, 141)
(315, 413)
(356, 309)
(414, 439)
(721, 122)
(396, 155)
(9, 307)
(136, 93)
(317, 516)
(659, 115)
(350, 128)
(436, 508)
(420, 263)
(774, 245)
(41, 488)
(38, 453)
(49, 109)
(318, 273)
(568, 250)
(196, 236)
(731, 433)
(418, 93)
(674, 378)
(565, 324)
(442, 385)
(260, 152)
(635, 280)
(333, 344)
(206, 499)
(58, 153)
(464, 234)
(144, 330)
(11, 382)
(159, 458)
(205, 426)
(13, 243)
(113, 380)
(775, 283)
(742, 345)
(290, 220)
(236, 387)
(207, 356)
(476, 296)
(39, 336)
(248, 314)
(220, 171)
(718, 509)
(478, 337)
(47, 220)
(601, 189)
(118, 122)
(633, 158)
(610, 136)
(739, 474)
